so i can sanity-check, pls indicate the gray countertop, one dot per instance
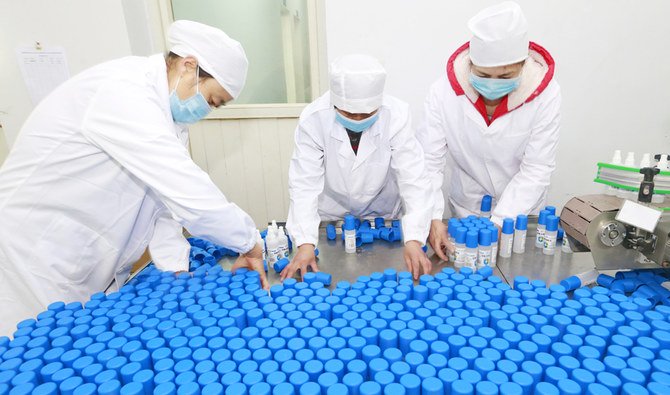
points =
(381, 255)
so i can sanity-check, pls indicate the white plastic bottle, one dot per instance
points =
(451, 232)
(630, 160)
(485, 209)
(551, 235)
(541, 226)
(494, 245)
(646, 161)
(506, 238)
(484, 250)
(520, 229)
(272, 243)
(349, 234)
(283, 242)
(471, 244)
(565, 245)
(580, 280)
(459, 246)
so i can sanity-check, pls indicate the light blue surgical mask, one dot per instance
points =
(189, 110)
(494, 88)
(356, 126)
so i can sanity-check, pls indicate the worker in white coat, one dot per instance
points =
(496, 111)
(101, 171)
(356, 153)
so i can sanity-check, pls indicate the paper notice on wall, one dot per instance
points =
(43, 69)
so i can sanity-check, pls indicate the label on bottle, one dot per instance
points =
(470, 259)
(494, 254)
(484, 258)
(271, 257)
(350, 243)
(550, 243)
(539, 237)
(283, 250)
(275, 254)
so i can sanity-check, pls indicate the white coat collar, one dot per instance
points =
(538, 71)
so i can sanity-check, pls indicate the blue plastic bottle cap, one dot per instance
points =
(393, 389)
(471, 239)
(331, 232)
(460, 234)
(349, 222)
(486, 204)
(552, 223)
(485, 237)
(461, 387)
(545, 388)
(521, 222)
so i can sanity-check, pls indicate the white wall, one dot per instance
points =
(611, 59)
(90, 32)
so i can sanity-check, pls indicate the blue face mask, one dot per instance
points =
(356, 126)
(494, 88)
(189, 110)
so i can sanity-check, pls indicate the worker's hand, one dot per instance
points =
(253, 260)
(302, 260)
(439, 240)
(416, 259)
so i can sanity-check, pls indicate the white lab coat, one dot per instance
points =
(99, 172)
(510, 157)
(327, 180)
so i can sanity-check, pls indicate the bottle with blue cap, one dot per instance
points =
(471, 244)
(283, 242)
(550, 235)
(484, 251)
(349, 234)
(580, 280)
(451, 233)
(494, 244)
(459, 246)
(520, 229)
(506, 238)
(540, 230)
(485, 210)
(565, 243)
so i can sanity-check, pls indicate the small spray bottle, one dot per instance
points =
(506, 238)
(471, 243)
(485, 210)
(551, 235)
(541, 226)
(520, 228)
(494, 245)
(349, 234)
(484, 252)
(459, 246)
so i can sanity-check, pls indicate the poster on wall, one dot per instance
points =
(43, 69)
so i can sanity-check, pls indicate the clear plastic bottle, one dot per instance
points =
(485, 210)
(580, 280)
(520, 229)
(471, 244)
(459, 246)
(506, 238)
(551, 235)
(349, 234)
(541, 226)
(494, 244)
(565, 243)
(484, 250)
(451, 231)
(272, 242)
(283, 242)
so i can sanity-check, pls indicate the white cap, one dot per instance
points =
(357, 83)
(499, 35)
(217, 54)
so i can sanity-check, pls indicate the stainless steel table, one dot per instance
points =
(381, 255)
